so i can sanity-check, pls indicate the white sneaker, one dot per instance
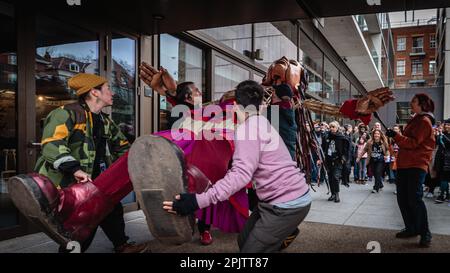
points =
(374, 191)
(429, 195)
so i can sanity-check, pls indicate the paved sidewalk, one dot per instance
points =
(348, 226)
(361, 208)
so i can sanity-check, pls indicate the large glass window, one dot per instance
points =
(331, 82)
(184, 62)
(62, 51)
(227, 76)
(123, 83)
(344, 89)
(237, 37)
(312, 58)
(8, 114)
(276, 40)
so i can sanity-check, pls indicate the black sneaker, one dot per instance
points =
(425, 240)
(332, 197)
(439, 200)
(404, 234)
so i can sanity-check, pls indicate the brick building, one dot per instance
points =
(415, 56)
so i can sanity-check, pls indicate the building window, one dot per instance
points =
(331, 82)
(61, 55)
(237, 37)
(312, 58)
(227, 76)
(417, 45)
(12, 78)
(401, 43)
(432, 40)
(401, 67)
(432, 67)
(275, 40)
(185, 62)
(74, 67)
(123, 83)
(417, 67)
(403, 112)
(12, 59)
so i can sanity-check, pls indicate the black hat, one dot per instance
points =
(283, 91)
(447, 121)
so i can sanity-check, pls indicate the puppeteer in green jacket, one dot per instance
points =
(69, 146)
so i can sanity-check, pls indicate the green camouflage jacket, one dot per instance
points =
(68, 136)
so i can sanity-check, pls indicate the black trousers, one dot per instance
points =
(113, 226)
(334, 169)
(346, 170)
(378, 174)
(409, 198)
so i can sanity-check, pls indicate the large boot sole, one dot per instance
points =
(30, 201)
(157, 171)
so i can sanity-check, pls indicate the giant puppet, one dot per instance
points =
(164, 164)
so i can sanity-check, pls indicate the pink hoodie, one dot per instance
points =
(262, 157)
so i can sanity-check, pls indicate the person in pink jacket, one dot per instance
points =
(262, 157)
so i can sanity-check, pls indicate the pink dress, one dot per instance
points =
(213, 158)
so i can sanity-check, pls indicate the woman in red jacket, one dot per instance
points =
(416, 148)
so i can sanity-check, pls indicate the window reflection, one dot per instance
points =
(8, 115)
(62, 51)
(237, 37)
(276, 40)
(227, 76)
(184, 62)
(331, 82)
(123, 84)
(312, 59)
(344, 90)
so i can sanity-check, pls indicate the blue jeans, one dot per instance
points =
(362, 170)
(356, 171)
(391, 175)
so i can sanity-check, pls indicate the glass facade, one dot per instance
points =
(123, 84)
(276, 40)
(312, 59)
(185, 62)
(8, 115)
(62, 51)
(227, 76)
(271, 41)
(331, 82)
(237, 37)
